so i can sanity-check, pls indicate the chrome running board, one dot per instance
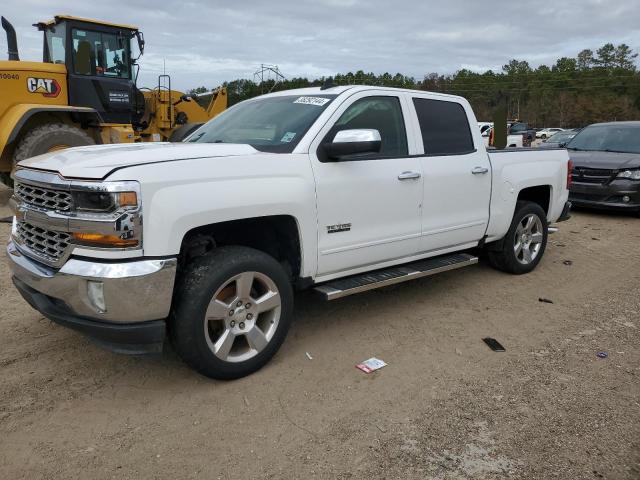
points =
(389, 276)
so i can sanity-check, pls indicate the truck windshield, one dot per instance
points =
(608, 138)
(272, 124)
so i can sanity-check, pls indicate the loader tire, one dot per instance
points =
(49, 138)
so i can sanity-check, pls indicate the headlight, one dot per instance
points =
(630, 174)
(107, 214)
(101, 201)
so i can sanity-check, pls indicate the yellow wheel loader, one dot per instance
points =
(84, 92)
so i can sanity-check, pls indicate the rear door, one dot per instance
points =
(457, 174)
(369, 206)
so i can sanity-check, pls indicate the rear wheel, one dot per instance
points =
(232, 311)
(524, 245)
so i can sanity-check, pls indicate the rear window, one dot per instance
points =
(444, 126)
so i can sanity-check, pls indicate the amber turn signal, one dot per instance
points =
(100, 240)
(127, 199)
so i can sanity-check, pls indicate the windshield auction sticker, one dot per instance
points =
(317, 101)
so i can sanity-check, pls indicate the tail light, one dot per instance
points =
(569, 173)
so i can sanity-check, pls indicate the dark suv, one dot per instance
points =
(606, 160)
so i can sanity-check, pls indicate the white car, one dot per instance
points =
(513, 141)
(548, 132)
(338, 189)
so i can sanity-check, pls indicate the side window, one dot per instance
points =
(381, 113)
(444, 126)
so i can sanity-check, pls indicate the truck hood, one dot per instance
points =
(604, 160)
(98, 161)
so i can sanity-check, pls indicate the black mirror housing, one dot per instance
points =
(336, 151)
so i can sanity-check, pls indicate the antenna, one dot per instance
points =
(271, 72)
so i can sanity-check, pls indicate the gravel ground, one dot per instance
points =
(446, 406)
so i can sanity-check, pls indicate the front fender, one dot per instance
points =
(182, 195)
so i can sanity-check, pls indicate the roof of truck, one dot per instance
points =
(337, 90)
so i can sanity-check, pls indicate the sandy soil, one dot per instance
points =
(446, 406)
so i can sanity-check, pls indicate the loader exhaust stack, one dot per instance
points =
(12, 41)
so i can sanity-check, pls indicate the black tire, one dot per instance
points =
(198, 284)
(182, 132)
(47, 137)
(503, 257)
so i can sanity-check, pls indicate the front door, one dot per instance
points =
(368, 207)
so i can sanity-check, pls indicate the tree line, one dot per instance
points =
(573, 92)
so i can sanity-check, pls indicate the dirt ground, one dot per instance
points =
(446, 406)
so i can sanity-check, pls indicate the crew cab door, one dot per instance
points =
(457, 174)
(368, 206)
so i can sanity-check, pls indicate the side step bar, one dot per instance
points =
(389, 276)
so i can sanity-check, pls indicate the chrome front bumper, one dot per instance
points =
(116, 293)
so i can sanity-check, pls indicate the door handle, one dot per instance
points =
(408, 176)
(479, 170)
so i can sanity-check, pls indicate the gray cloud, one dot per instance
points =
(205, 43)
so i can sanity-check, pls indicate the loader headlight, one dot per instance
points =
(630, 174)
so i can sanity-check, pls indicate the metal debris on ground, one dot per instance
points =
(371, 365)
(545, 300)
(308, 355)
(602, 354)
(493, 344)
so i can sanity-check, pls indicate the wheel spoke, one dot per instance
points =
(519, 229)
(268, 301)
(518, 248)
(217, 310)
(526, 255)
(530, 221)
(257, 340)
(536, 238)
(223, 345)
(244, 284)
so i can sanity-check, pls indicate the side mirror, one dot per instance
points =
(353, 142)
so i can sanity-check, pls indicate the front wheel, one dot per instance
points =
(232, 311)
(522, 248)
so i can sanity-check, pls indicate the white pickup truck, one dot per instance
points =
(340, 189)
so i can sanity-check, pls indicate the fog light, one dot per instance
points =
(626, 199)
(95, 292)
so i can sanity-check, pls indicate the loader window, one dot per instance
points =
(271, 124)
(55, 44)
(101, 54)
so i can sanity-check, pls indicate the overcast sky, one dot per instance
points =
(208, 42)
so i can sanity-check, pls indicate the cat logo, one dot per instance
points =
(48, 87)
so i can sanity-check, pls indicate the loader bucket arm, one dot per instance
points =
(218, 102)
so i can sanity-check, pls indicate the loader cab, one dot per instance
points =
(100, 67)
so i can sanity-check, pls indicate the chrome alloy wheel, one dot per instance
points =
(242, 317)
(528, 239)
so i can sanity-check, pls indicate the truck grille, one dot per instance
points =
(592, 175)
(47, 198)
(47, 246)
